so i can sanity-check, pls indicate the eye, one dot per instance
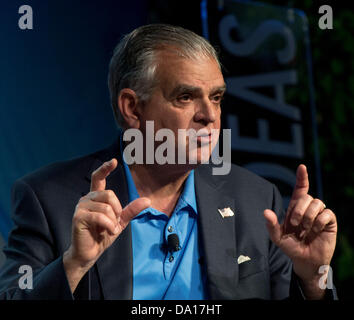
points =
(186, 97)
(217, 98)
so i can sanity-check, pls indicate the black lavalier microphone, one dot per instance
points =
(173, 243)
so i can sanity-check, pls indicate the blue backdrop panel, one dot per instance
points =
(54, 100)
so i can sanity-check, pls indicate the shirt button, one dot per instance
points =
(171, 258)
(170, 229)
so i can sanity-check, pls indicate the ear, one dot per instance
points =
(128, 103)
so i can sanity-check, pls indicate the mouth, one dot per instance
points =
(204, 138)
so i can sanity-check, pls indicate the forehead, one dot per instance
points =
(174, 69)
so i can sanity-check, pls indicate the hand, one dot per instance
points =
(98, 220)
(308, 234)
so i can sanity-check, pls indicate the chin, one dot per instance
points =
(200, 158)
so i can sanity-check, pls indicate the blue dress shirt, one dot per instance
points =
(157, 274)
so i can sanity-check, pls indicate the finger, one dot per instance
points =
(133, 209)
(273, 226)
(96, 220)
(108, 197)
(316, 207)
(326, 219)
(100, 207)
(98, 177)
(297, 212)
(302, 183)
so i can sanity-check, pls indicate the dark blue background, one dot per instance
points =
(54, 100)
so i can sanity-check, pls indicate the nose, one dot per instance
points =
(207, 112)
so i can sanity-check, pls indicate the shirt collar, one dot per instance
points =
(188, 194)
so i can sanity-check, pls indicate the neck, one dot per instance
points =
(160, 184)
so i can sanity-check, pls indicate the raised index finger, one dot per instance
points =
(302, 183)
(98, 177)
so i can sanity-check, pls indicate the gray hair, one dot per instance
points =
(133, 63)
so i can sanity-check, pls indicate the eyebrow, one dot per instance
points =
(181, 88)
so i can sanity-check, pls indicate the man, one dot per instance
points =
(105, 235)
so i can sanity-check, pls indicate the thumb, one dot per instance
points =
(133, 209)
(273, 226)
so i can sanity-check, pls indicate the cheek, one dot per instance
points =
(217, 123)
(175, 121)
(218, 118)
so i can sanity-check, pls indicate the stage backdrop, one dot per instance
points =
(54, 100)
(269, 104)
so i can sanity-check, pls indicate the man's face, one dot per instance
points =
(187, 96)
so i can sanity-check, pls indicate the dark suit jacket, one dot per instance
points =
(44, 204)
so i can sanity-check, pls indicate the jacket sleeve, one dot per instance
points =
(280, 266)
(31, 244)
(284, 282)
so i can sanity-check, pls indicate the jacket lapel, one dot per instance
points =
(218, 236)
(115, 266)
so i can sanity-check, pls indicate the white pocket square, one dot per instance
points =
(226, 212)
(242, 259)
